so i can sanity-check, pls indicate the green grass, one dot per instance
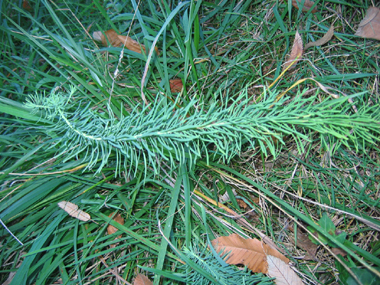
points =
(306, 156)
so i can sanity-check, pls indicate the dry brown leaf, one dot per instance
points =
(305, 243)
(242, 204)
(119, 219)
(73, 211)
(337, 251)
(327, 37)
(26, 6)
(250, 213)
(142, 280)
(117, 40)
(111, 229)
(296, 53)
(369, 27)
(282, 272)
(112, 37)
(306, 6)
(250, 252)
(132, 45)
(256, 200)
(175, 85)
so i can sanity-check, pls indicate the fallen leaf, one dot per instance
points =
(142, 280)
(73, 211)
(305, 243)
(250, 213)
(282, 272)
(250, 252)
(26, 6)
(111, 35)
(119, 219)
(296, 53)
(337, 251)
(256, 200)
(175, 85)
(117, 40)
(306, 6)
(242, 204)
(369, 27)
(327, 37)
(132, 45)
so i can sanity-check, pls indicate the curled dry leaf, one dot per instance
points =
(119, 219)
(73, 211)
(250, 252)
(296, 53)
(117, 40)
(327, 37)
(369, 27)
(282, 272)
(306, 6)
(142, 280)
(175, 85)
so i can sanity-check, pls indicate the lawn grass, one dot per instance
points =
(307, 164)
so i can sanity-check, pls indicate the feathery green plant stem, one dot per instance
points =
(157, 133)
